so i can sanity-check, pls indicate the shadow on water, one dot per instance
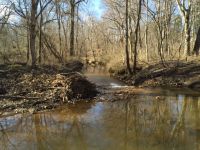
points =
(141, 122)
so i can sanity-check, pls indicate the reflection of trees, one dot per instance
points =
(195, 115)
(4, 139)
(58, 136)
(147, 120)
(180, 121)
(45, 131)
(5, 126)
(138, 123)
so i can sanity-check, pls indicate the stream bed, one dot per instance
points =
(164, 120)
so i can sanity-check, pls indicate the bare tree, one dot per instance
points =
(6, 13)
(73, 4)
(31, 21)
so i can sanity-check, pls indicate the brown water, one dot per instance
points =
(141, 122)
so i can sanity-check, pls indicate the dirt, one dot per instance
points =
(25, 90)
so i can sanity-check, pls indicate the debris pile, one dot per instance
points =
(39, 90)
(73, 86)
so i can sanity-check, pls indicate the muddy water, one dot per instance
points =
(142, 122)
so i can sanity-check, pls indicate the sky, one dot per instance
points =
(96, 8)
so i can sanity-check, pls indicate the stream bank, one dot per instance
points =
(176, 74)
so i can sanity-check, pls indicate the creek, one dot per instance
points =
(156, 119)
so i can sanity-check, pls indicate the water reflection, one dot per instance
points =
(100, 76)
(140, 123)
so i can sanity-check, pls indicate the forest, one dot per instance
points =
(64, 64)
(55, 31)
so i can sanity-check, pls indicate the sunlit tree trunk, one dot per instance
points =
(146, 32)
(187, 34)
(185, 12)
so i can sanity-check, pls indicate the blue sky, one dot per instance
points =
(96, 7)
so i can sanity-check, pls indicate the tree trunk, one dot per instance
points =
(65, 39)
(185, 12)
(72, 3)
(127, 40)
(77, 31)
(136, 36)
(146, 33)
(28, 46)
(197, 43)
(58, 13)
(40, 36)
(33, 32)
(187, 34)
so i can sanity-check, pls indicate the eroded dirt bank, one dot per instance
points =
(171, 74)
(25, 90)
